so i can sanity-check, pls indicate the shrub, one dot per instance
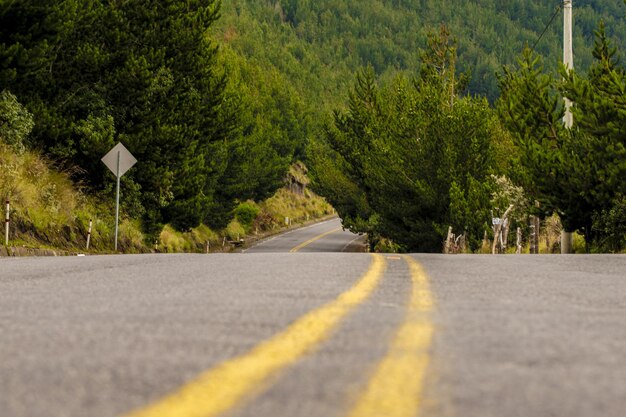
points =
(609, 227)
(234, 230)
(245, 214)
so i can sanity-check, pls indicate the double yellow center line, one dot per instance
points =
(394, 388)
(396, 385)
(223, 387)
(315, 239)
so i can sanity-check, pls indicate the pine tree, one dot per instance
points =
(600, 112)
(575, 173)
(414, 157)
(144, 73)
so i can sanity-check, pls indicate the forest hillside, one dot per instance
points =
(318, 45)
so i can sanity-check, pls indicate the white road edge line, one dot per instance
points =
(351, 242)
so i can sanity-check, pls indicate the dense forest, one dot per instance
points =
(145, 73)
(359, 155)
(218, 99)
(319, 45)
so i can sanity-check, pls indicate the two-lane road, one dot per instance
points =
(313, 334)
(328, 236)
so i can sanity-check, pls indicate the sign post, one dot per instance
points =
(118, 160)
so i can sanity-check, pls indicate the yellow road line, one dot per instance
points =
(316, 238)
(395, 388)
(229, 384)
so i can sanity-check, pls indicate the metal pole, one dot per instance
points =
(117, 200)
(568, 119)
(6, 224)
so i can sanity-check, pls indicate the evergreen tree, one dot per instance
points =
(600, 112)
(143, 73)
(416, 156)
(576, 173)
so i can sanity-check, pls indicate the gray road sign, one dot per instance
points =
(119, 160)
(126, 159)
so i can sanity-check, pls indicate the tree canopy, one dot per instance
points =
(319, 45)
(577, 173)
(147, 74)
(406, 161)
(216, 101)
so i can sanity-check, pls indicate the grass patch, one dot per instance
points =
(234, 230)
(299, 208)
(172, 241)
(49, 211)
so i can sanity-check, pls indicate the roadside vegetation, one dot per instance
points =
(50, 211)
(403, 123)
(84, 75)
(413, 159)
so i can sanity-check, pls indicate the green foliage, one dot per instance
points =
(16, 122)
(172, 241)
(331, 178)
(531, 108)
(149, 75)
(93, 73)
(319, 45)
(576, 173)
(414, 157)
(234, 230)
(246, 213)
(609, 225)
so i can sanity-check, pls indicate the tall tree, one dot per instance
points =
(419, 154)
(145, 73)
(600, 112)
(575, 173)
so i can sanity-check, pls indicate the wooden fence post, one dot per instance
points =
(89, 234)
(448, 244)
(499, 243)
(6, 224)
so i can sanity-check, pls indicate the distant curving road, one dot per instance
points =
(299, 334)
(327, 236)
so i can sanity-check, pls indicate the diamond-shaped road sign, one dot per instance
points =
(118, 160)
(126, 160)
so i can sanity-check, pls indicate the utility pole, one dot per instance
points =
(568, 56)
(568, 119)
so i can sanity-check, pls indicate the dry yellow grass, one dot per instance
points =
(298, 208)
(48, 210)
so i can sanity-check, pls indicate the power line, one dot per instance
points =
(556, 12)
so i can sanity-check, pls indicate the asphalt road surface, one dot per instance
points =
(327, 236)
(313, 334)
